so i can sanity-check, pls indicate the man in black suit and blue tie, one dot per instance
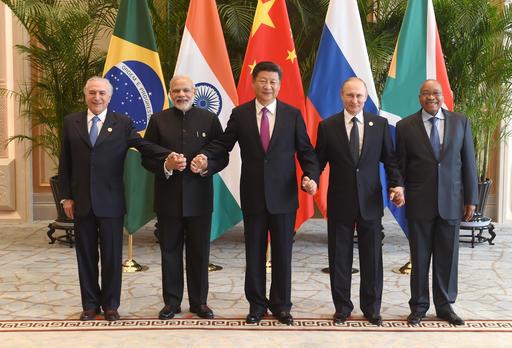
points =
(437, 160)
(353, 142)
(94, 146)
(270, 133)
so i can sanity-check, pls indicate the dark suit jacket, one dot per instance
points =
(184, 193)
(350, 182)
(268, 180)
(437, 187)
(93, 176)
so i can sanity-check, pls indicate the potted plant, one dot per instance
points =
(63, 54)
(478, 51)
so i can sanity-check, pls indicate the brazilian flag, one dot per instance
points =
(133, 68)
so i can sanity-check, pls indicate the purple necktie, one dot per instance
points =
(264, 129)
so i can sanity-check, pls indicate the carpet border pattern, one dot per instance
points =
(314, 324)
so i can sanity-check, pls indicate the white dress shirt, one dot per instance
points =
(271, 114)
(428, 124)
(99, 124)
(360, 126)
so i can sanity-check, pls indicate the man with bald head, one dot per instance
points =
(91, 165)
(183, 198)
(353, 142)
(437, 161)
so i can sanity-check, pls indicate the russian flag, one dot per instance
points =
(342, 54)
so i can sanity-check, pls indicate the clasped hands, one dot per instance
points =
(178, 161)
(309, 185)
(396, 195)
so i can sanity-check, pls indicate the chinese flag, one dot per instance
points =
(271, 40)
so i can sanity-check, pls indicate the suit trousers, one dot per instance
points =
(439, 239)
(194, 232)
(89, 230)
(340, 234)
(256, 228)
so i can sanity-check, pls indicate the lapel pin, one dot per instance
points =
(370, 123)
(109, 129)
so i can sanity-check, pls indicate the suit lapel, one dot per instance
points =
(81, 127)
(341, 134)
(278, 125)
(367, 136)
(106, 129)
(446, 135)
(253, 124)
(420, 129)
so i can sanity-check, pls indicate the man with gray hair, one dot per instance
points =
(184, 196)
(94, 146)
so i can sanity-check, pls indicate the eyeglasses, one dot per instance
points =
(428, 94)
(264, 82)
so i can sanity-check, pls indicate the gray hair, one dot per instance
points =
(353, 78)
(180, 77)
(110, 89)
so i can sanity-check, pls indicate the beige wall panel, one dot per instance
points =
(7, 185)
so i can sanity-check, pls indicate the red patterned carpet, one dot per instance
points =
(312, 325)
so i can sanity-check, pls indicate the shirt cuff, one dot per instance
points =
(167, 173)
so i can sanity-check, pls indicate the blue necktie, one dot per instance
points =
(434, 137)
(93, 133)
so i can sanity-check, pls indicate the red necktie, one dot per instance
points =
(264, 129)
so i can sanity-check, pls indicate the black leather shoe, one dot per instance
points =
(340, 317)
(89, 314)
(450, 317)
(415, 318)
(202, 311)
(168, 312)
(111, 315)
(375, 319)
(284, 318)
(254, 318)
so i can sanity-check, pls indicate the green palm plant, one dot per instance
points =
(478, 51)
(63, 54)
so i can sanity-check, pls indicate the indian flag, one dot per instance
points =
(203, 56)
(133, 68)
(418, 56)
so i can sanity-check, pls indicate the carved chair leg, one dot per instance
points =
(492, 233)
(50, 233)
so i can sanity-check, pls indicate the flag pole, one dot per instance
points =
(405, 269)
(130, 265)
(268, 264)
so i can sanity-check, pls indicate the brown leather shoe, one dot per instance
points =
(111, 315)
(89, 314)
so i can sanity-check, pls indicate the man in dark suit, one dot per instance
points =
(437, 160)
(353, 142)
(94, 146)
(269, 133)
(183, 199)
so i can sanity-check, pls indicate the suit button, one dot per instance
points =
(357, 170)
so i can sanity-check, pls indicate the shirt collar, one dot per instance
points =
(349, 117)
(270, 107)
(101, 116)
(426, 116)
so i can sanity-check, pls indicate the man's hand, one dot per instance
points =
(199, 164)
(396, 195)
(69, 208)
(175, 161)
(309, 185)
(469, 211)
